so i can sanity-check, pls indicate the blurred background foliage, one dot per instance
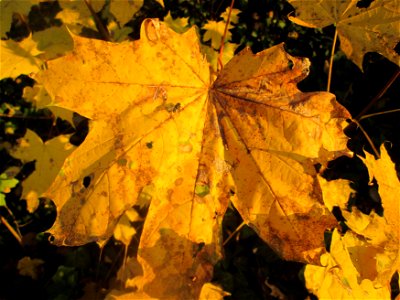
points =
(250, 270)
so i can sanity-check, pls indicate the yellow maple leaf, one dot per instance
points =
(124, 10)
(362, 262)
(361, 30)
(19, 58)
(163, 132)
(347, 272)
(179, 25)
(49, 157)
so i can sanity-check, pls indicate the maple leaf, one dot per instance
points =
(49, 156)
(361, 30)
(361, 263)
(164, 133)
(19, 58)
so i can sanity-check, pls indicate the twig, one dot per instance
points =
(379, 113)
(379, 95)
(328, 88)
(233, 233)
(100, 26)
(368, 138)
(12, 230)
(221, 48)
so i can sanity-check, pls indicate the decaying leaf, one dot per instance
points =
(163, 132)
(361, 30)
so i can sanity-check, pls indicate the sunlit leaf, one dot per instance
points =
(165, 134)
(19, 58)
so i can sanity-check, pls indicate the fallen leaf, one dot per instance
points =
(361, 30)
(165, 134)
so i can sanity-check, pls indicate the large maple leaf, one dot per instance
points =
(375, 28)
(164, 132)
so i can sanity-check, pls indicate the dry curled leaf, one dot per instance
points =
(164, 133)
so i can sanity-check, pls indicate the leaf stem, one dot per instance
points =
(221, 48)
(233, 233)
(379, 113)
(379, 95)
(328, 88)
(99, 24)
(368, 138)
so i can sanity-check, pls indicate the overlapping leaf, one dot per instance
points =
(49, 156)
(164, 134)
(361, 263)
(361, 30)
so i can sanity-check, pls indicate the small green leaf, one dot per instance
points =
(202, 190)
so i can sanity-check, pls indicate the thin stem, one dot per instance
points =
(221, 48)
(379, 95)
(328, 88)
(233, 233)
(99, 24)
(368, 138)
(12, 230)
(379, 113)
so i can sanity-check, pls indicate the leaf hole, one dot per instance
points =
(290, 64)
(364, 3)
(86, 181)
(51, 239)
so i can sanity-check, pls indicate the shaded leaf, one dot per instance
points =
(361, 30)
(10, 7)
